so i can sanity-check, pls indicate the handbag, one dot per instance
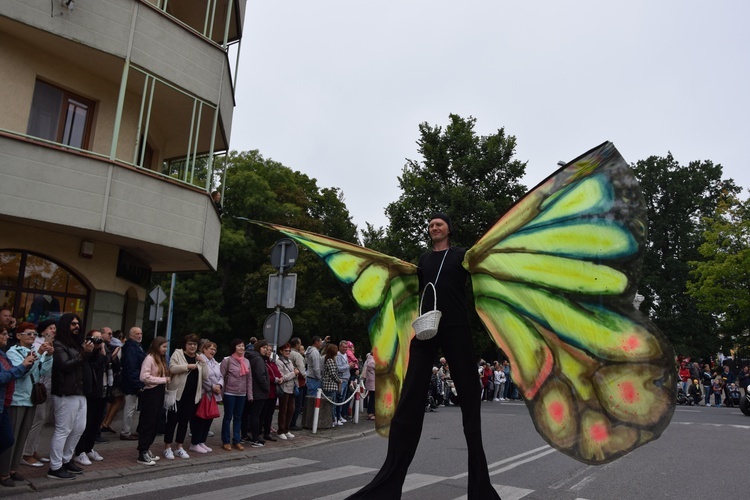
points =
(38, 391)
(170, 399)
(207, 409)
(426, 325)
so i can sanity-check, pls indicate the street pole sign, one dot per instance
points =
(282, 289)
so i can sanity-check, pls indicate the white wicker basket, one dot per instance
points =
(426, 326)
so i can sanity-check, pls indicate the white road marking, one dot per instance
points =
(295, 481)
(506, 492)
(175, 481)
(506, 460)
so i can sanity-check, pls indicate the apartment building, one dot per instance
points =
(115, 119)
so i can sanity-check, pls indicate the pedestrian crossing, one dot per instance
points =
(289, 476)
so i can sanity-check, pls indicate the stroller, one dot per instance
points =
(682, 398)
(734, 396)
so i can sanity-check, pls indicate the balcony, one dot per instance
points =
(170, 225)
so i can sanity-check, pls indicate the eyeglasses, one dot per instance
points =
(74, 323)
(286, 350)
(26, 333)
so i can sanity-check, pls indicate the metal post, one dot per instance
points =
(169, 311)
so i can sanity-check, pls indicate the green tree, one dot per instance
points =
(232, 301)
(677, 198)
(472, 178)
(721, 283)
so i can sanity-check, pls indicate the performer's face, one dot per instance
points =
(438, 229)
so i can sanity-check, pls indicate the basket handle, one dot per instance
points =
(434, 295)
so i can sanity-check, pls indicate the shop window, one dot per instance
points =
(35, 288)
(60, 116)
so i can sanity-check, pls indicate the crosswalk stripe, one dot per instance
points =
(506, 492)
(188, 479)
(412, 482)
(521, 462)
(289, 482)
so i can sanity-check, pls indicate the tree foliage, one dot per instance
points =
(472, 178)
(721, 281)
(677, 198)
(232, 301)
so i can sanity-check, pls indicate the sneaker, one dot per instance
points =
(72, 468)
(168, 454)
(290, 435)
(60, 473)
(82, 459)
(153, 457)
(197, 448)
(342, 421)
(256, 444)
(94, 455)
(208, 450)
(269, 437)
(180, 452)
(282, 437)
(210, 434)
(144, 459)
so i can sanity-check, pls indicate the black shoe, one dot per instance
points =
(60, 473)
(72, 468)
(17, 477)
(145, 459)
(269, 437)
(7, 482)
(294, 428)
(100, 439)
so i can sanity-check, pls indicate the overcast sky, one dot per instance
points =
(337, 89)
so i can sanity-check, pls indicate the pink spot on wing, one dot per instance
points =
(557, 411)
(628, 392)
(598, 432)
(389, 399)
(631, 343)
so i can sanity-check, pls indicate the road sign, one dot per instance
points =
(158, 295)
(284, 254)
(284, 330)
(156, 313)
(288, 291)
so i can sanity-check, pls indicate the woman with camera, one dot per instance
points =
(95, 389)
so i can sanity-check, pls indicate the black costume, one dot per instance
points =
(454, 337)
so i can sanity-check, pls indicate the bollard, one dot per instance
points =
(355, 417)
(316, 413)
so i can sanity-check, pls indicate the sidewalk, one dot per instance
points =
(120, 456)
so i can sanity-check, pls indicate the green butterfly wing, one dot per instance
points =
(554, 282)
(380, 282)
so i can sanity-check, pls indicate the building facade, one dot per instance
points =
(115, 118)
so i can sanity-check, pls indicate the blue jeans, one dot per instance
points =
(340, 397)
(312, 386)
(707, 390)
(233, 406)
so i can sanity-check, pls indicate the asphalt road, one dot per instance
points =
(701, 455)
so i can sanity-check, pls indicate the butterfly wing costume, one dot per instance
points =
(554, 281)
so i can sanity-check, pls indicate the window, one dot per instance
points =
(60, 116)
(35, 288)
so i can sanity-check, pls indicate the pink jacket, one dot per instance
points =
(150, 373)
(234, 383)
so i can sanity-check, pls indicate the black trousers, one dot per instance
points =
(151, 403)
(179, 419)
(406, 426)
(266, 415)
(254, 416)
(94, 413)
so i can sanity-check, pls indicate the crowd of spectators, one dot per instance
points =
(89, 379)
